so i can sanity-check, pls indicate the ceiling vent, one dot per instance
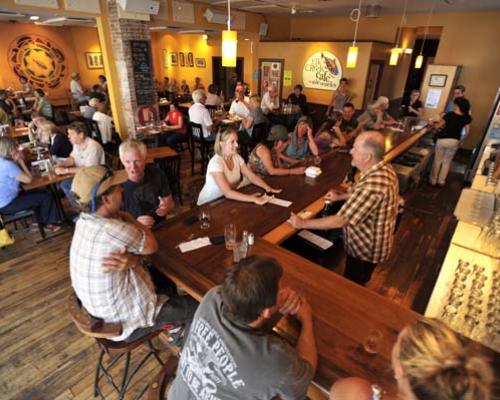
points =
(373, 11)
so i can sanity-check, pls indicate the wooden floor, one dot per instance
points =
(43, 356)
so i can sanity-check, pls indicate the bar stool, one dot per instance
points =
(101, 331)
(158, 387)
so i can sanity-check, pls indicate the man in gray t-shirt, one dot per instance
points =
(229, 354)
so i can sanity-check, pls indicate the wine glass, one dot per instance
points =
(204, 217)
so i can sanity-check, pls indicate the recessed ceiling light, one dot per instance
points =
(247, 38)
(34, 17)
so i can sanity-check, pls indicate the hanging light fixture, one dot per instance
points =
(420, 58)
(352, 54)
(396, 50)
(229, 42)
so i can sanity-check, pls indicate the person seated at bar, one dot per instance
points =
(91, 109)
(298, 98)
(86, 153)
(231, 351)
(104, 122)
(184, 87)
(339, 130)
(270, 101)
(176, 128)
(59, 144)
(13, 171)
(76, 89)
(103, 83)
(212, 98)
(239, 106)
(376, 116)
(255, 116)
(7, 105)
(105, 260)
(265, 160)
(146, 193)
(42, 105)
(198, 84)
(26, 87)
(354, 388)
(449, 139)
(412, 106)
(225, 171)
(339, 97)
(368, 217)
(301, 142)
(199, 114)
(37, 119)
(431, 361)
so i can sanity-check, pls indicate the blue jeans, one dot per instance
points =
(66, 188)
(38, 200)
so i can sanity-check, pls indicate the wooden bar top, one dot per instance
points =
(41, 181)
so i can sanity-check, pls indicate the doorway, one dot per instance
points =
(221, 76)
(373, 81)
(415, 76)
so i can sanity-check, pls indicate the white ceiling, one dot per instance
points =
(46, 18)
(344, 7)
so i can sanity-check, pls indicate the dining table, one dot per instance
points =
(345, 314)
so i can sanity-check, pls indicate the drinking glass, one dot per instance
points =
(230, 235)
(239, 250)
(204, 218)
(317, 161)
(372, 341)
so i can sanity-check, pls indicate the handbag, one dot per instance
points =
(6, 238)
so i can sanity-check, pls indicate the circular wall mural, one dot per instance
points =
(38, 59)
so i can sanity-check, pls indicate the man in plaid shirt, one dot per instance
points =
(368, 216)
(105, 260)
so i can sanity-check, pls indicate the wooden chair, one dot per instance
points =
(198, 141)
(72, 103)
(23, 216)
(211, 110)
(172, 168)
(101, 332)
(93, 129)
(158, 387)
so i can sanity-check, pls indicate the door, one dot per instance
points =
(373, 82)
(221, 76)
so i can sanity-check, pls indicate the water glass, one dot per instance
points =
(372, 341)
(230, 235)
(239, 251)
(205, 219)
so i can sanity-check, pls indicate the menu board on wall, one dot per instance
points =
(143, 71)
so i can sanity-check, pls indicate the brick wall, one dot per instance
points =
(122, 31)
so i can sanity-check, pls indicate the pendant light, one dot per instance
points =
(229, 42)
(396, 50)
(352, 54)
(420, 58)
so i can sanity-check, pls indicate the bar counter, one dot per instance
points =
(343, 312)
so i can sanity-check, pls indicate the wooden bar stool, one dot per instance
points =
(101, 331)
(158, 387)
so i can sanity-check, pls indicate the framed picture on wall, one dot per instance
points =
(190, 60)
(437, 80)
(173, 59)
(200, 63)
(271, 74)
(181, 59)
(94, 60)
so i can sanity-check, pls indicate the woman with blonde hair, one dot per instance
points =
(431, 362)
(225, 172)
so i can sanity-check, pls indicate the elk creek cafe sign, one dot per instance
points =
(322, 71)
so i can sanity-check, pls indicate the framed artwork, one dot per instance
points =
(181, 59)
(173, 59)
(438, 80)
(94, 60)
(200, 62)
(271, 74)
(190, 60)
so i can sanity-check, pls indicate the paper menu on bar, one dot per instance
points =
(280, 202)
(194, 244)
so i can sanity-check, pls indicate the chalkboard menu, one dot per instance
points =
(143, 72)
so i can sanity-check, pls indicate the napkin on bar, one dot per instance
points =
(194, 244)
(313, 172)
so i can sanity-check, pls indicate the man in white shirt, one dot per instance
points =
(199, 114)
(104, 122)
(239, 106)
(76, 88)
(270, 101)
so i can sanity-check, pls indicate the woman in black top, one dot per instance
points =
(59, 144)
(412, 107)
(448, 139)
